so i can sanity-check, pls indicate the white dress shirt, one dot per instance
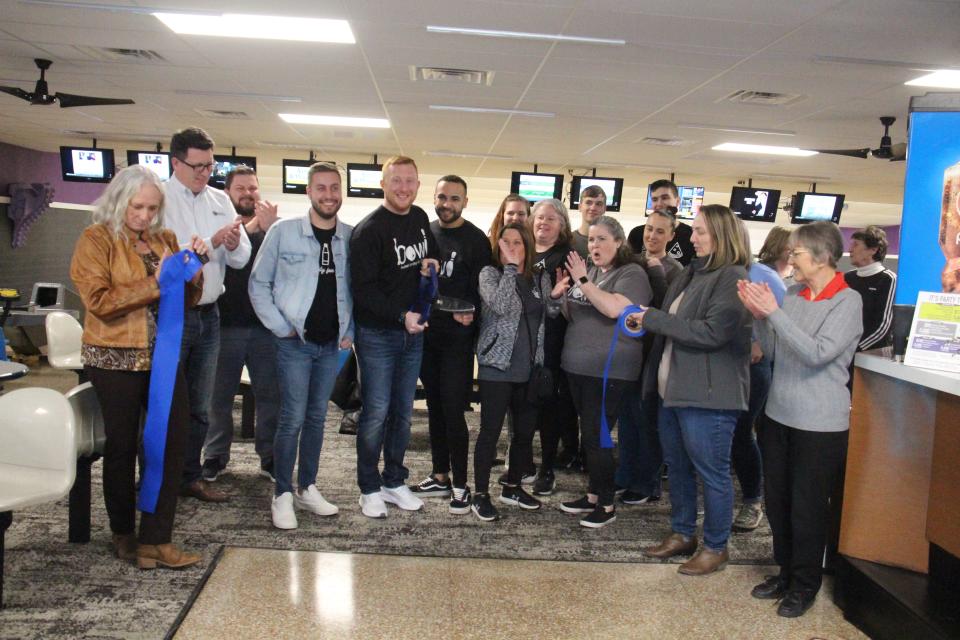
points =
(188, 214)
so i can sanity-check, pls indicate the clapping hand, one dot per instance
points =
(562, 286)
(757, 298)
(228, 235)
(265, 213)
(576, 266)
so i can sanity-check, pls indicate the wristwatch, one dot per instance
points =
(584, 279)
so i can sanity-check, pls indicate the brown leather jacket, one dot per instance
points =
(115, 288)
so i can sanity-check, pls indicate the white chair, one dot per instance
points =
(91, 437)
(38, 452)
(64, 336)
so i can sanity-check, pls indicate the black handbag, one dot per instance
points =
(540, 387)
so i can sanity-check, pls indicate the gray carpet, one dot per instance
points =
(59, 590)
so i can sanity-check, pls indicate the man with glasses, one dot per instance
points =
(194, 209)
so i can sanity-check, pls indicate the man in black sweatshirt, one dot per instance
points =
(389, 250)
(875, 284)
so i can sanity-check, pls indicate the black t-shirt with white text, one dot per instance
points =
(464, 251)
(323, 322)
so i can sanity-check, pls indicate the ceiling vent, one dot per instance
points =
(115, 54)
(458, 76)
(762, 98)
(223, 114)
(663, 142)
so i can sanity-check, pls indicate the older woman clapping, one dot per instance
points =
(803, 434)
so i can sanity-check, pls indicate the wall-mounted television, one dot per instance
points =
(613, 187)
(758, 205)
(536, 186)
(813, 207)
(363, 180)
(689, 201)
(224, 165)
(156, 161)
(86, 164)
(295, 175)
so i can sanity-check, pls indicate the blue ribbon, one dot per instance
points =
(426, 294)
(606, 442)
(177, 269)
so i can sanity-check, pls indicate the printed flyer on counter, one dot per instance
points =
(935, 334)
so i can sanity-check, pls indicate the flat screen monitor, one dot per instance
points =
(295, 175)
(363, 180)
(813, 207)
(156, 161)
(536, 186)
(224, 165)
(689, 201)
(613, 187)
(758, 205)
(86, 164)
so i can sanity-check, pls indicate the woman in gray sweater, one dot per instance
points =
(699, 368)
(803, 434)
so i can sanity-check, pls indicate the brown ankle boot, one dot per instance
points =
(125, 546)
(165, 555)
(705, 563)
(673, 545)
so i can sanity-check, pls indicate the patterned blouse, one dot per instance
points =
(128, 358)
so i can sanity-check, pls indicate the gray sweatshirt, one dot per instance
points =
(812, 345)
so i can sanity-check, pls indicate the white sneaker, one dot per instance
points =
(402, 497)
(282, 511)
(371, 504)
(311, 500)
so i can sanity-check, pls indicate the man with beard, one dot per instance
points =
(243, 340)
(447, 367)
(300, 290)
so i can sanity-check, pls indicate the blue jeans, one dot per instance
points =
(745, 455)
(256, 348)
(697, 442)
(307, 372)
(198, 357)
(389, 366)
(641, 458)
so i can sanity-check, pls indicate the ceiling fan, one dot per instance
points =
(42, 96)
(886, 150)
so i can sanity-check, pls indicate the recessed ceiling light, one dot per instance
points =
(525, 35)
(336, 121)
(513, 112)
(732, 129)
(237, 25)
(763, 148)
(943, 78)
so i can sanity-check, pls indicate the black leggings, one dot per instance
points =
(123, 395)
(495, 399)
(587, 394)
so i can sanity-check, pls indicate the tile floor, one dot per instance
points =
(256, 593)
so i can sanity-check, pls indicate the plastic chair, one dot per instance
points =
(91, 437)
(64, 336)
(38, 453)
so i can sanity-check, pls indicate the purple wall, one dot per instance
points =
(893, 238)
(19, 164)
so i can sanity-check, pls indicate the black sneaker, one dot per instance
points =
(266, 470)
(460, 506)
(635, 497)
(211, 469)
(483, 508)
(583, 505)
(430, 487)
(544, 483)
(527, 478)
(518, 497)
(599, 517)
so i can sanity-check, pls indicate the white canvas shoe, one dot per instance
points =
(311, 500)
(402, 497)
(372, 506)
(282, 511)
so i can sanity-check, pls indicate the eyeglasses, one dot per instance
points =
(198, 168)
(796, 252)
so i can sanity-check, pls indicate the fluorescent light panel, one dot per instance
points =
(236, 94)
(525, 35)
(764, 149)
(238, 25)
(732, 129)
(336, 121)
(455, 154)
(943, 79)
(514, 112)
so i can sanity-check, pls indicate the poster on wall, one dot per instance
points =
(934, 341)
(930, 231)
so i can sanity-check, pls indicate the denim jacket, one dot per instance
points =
(284, 278)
